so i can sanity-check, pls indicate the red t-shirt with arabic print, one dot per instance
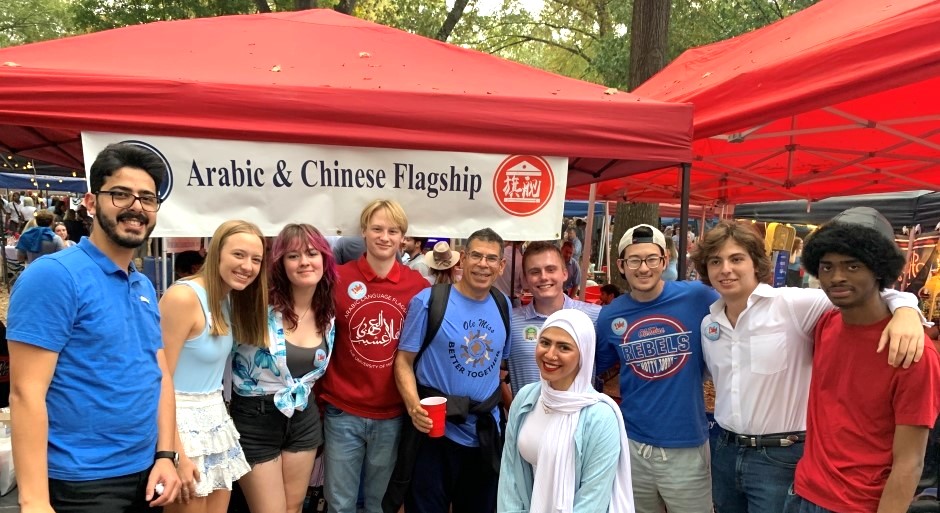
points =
(370, 312)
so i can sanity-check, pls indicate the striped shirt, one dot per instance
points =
(526, 323)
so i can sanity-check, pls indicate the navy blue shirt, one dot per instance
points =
(105, 325)
(659, 346)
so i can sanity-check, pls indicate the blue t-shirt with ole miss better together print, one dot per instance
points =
(464, 356)
(659, 346)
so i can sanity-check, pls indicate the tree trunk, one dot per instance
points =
(453, 17)
(649, 39)
(346, 7)
(629, 215)
(303, 5)
(262, 6)
(649, 33)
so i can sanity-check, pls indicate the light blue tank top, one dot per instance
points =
(202, 360)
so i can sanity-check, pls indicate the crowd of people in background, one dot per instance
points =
(118, 403)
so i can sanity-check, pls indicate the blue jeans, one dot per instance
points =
(797, 504)
(358, 447)
(751, 479)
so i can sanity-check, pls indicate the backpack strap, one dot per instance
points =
(437, 305)
(503, 306)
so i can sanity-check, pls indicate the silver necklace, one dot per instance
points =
(289, 331)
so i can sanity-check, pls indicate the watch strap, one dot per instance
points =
(170, 455)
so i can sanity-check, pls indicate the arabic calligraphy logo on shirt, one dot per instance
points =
(374, 327)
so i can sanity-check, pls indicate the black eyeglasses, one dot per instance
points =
(651, 261)
(124, 199)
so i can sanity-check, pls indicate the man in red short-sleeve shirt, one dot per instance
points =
(364, 412)
(867, 422)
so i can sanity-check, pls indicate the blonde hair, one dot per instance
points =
(249, 313)
(392, 207)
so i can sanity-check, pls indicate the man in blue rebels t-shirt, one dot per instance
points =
(654, 334)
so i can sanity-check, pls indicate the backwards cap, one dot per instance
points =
(641, 234)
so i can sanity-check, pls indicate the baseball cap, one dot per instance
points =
(640, 234)
(868, 217)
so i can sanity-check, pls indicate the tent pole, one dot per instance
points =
(3, 226)
(161, 267)
(512, 274)
(605, 236)
(588, 240)
(684, 219)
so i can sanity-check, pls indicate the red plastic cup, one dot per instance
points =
(437, 410)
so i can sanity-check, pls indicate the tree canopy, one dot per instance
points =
(585, 39)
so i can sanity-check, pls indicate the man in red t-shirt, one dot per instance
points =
(867, 422)
(364, 411)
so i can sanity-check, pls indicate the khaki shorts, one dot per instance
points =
(679, 480)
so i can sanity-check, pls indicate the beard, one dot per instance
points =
(110, 228)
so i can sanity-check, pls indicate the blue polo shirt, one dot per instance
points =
(104, 324)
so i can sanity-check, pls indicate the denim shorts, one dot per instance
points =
(265, 431)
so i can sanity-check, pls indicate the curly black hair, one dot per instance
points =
(881, 255)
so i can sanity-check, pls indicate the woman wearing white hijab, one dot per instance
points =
(566, 447)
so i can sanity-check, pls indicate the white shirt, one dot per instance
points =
(762, 367)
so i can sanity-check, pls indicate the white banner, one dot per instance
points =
(445, 194)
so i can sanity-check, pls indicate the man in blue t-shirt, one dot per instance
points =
(460, 469)
(654, 334)
(92, 403)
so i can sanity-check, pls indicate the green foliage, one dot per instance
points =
(423, 17)
(94, 15)
(585, 39)
(701, 22)
(28, 21)
(589, 39)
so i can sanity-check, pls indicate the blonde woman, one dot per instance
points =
(200, 318)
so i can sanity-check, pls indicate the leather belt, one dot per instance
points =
(771, 440)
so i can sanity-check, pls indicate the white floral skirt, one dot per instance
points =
(210, 440)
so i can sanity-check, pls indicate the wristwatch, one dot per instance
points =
(170, 455)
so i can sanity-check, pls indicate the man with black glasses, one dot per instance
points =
(93, 408)
(654, 334)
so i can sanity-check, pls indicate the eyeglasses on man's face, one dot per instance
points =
(635, 262)
(476, 257)
(124, 199)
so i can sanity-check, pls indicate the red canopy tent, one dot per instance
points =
(320, 77)
(840, 98)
